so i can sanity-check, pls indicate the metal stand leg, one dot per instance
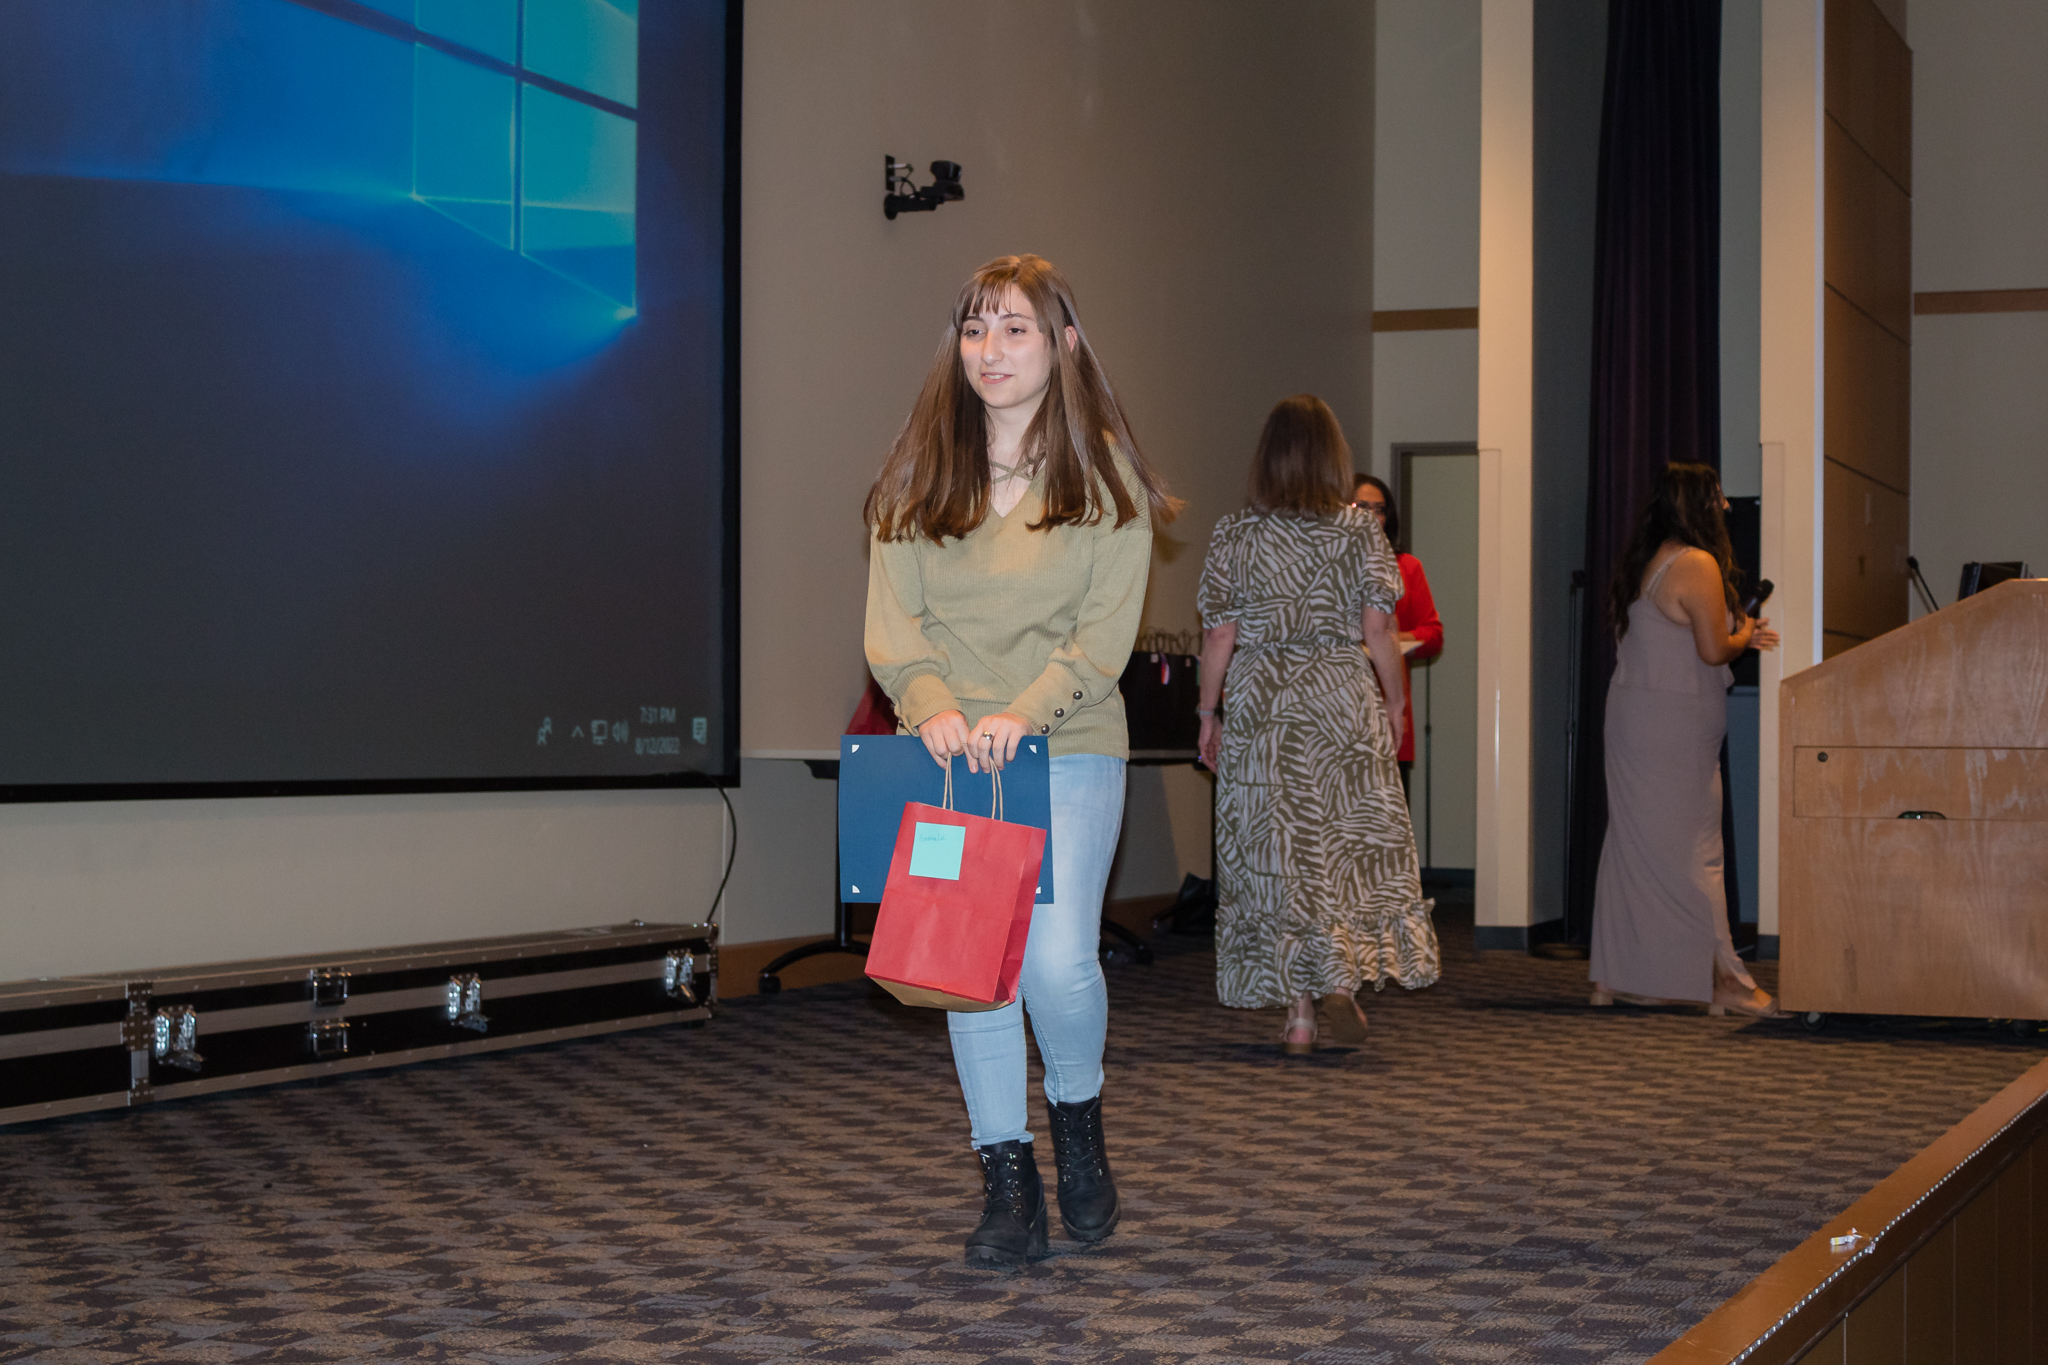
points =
(1133, 947)
(842, 941)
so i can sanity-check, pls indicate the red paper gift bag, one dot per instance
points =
(956, 911)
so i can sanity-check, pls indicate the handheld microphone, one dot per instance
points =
(1758, 598)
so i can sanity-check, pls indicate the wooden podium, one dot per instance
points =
(1913, 817)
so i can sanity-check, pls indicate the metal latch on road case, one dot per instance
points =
(679, 976)
(465, 1002)
(175, 1032)
(327, 1038)
(329, 985)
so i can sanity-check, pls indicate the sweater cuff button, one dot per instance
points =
(1077, 696)
(1044, 729)
(1058, 711)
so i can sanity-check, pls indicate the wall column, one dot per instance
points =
(1507, 240)
(1790, 411)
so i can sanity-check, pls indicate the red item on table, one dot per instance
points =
(875, 715)
(1415, 614)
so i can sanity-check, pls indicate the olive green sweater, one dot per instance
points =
(1037, 623)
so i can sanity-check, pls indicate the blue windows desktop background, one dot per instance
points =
(363, 392)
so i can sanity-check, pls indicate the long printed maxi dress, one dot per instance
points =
(1318, 885)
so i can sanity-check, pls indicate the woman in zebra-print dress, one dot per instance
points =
(1319, 889)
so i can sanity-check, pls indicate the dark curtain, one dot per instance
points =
(1656, 332)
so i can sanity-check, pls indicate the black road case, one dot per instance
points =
(79, 1043)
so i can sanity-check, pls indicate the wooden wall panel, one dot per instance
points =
(2013, 1195)
(2038, 1159)
(1866, 528)
(1931, 1301)
(1867, 266)
(1831, 1350)
(1425, 319)
(1952, 301)
(1877, 1327)
(1866, 395)
(1868, 254)
(1833, 642)
(1870, 85)
(1977, 1282)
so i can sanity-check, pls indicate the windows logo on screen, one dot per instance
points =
(525, 129)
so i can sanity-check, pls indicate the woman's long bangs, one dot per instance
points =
(1036, 278)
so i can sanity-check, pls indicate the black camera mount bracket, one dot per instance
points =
(900, 194)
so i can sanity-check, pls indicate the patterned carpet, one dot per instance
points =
(1500, 1174)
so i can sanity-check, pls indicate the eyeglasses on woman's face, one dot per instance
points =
(1372, 502)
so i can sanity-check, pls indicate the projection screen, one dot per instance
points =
(367, 395)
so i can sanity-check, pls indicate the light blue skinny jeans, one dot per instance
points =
(1061, 984)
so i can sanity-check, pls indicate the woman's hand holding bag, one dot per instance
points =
(988, 746)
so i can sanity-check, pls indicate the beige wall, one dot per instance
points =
(1980, 165)
(1741, 242)
(1426, 383)
(1425, 221)
(107, 886)
(1204, 173)
(1426, 155)
(1425, 389)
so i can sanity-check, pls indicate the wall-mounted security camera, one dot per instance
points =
(901, 195)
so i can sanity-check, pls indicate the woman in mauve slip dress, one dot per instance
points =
(1318, 887)
(1660, 908)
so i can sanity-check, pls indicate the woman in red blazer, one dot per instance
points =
(1415, 613)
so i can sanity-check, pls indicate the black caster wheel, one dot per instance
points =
(771, 984)
(1813, 1021)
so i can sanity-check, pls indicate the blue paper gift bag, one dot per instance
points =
(880, 774)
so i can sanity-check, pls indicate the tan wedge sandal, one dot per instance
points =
(1347, 1020)
(1298, 1034)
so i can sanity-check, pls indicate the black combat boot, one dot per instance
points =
(1088, 1203)
(1013, 1221)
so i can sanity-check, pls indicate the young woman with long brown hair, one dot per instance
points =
(1011, 535)
(1318, 887)
(1660, 908)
